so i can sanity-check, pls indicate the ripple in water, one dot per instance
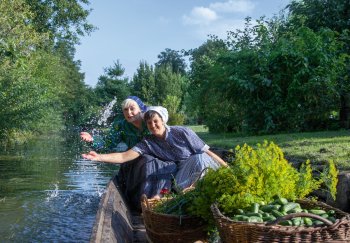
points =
(65, 213)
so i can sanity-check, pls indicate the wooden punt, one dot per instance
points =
(115, 222)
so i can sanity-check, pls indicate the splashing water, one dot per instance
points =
(106, 112)
(52, 193)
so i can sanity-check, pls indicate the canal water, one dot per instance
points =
(48, 193)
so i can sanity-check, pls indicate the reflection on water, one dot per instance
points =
(48, 193)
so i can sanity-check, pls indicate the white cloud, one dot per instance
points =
(218, 18)
(219, 28)
(233, 6)
(200, 16)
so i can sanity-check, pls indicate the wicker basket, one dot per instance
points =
(233, 231)
(171, 228)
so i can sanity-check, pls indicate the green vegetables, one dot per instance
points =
(253, 178)
(175, 204)
(281, 207)
(255, 175)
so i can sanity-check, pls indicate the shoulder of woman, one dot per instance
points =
(118, 124)
(119, 121)
(184, 130)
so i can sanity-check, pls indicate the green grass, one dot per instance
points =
(316, 146)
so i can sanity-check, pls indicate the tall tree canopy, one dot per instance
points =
(143, 83)
(268, 78)
(40, 83)
(65, 20)
(112, 85)
(335, 15)
(174, 59)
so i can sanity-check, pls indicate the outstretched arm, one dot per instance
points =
(217, 158)
(116, 158)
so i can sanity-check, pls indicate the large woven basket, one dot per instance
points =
(233, 231)
(171, 228)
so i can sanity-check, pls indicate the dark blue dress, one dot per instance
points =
(183, 147)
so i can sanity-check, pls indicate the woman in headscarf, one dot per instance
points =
(176, 144)
(135, 174)
(124, 133)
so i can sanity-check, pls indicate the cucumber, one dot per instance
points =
(317, 211)
(296, 221)
(308, 221)
(255, 207)
(240, 211)
(317, 223)
(295, 210)
(253, 214)
(290, 206)
(281, 201)
(268, 218)
(332, 219)
(240, 218)
(277, 213)
(268, 208)
(255, 219)
(286, 223)
(331, 212)
(324, 216)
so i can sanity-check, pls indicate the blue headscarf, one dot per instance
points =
(142, 106)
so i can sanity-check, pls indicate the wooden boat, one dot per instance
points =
(115, 222)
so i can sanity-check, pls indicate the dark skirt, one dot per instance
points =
(145, 175)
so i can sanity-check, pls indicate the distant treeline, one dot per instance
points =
(288, 73)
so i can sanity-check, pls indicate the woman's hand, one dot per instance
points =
(85, 136)
(92, 155)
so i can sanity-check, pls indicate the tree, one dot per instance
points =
(268, 80)
(112, 85)
(40, 82)
(65, 20)
(333, 14)
(201, 59)
(168, 83)
(24, 95)
(172, 103)
(143, 83)
(173, 59)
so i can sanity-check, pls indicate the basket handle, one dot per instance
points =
(144, 199)
(294, 215)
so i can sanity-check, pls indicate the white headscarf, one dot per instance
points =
(163, 112)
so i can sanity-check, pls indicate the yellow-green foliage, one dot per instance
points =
(306, 183)
(330, 178)
(255, 175)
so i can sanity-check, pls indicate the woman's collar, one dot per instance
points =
(167, 130)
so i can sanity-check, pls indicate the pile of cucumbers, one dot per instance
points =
(260, 213)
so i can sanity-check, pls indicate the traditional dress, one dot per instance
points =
(183, 147)
(135, 176)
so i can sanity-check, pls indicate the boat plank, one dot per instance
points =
(115, 222)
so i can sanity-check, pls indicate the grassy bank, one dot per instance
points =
(316, 146)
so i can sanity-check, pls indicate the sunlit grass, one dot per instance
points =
(316, 146)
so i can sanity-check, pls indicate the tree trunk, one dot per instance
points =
(344, 114)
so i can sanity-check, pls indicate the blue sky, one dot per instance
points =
(138, 30)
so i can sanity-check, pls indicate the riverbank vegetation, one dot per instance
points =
(318, 147)
(285, 75)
